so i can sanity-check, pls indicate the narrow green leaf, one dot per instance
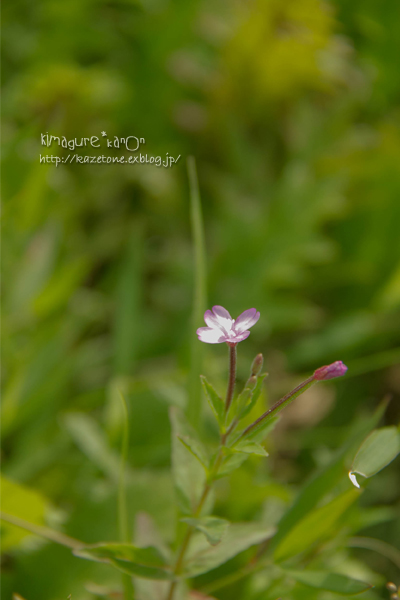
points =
(216, 403)
(255, 396)
(249, 447)
(315, 527)
(375, 453)
(149, 556)
(142, 562)
(196, 449)
(213, 528)
(260, 432)
(239, 536)
(332, 582)
(200, 294)
(231, 462)
(188, 474)
(141, 571)
(238, 405)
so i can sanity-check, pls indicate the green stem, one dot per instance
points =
(44, 532)
(186, 540)
(379, 546)
(122, 503)
(123, 524)
(190, 530)
(212, 476)
(199, 296)
(280, 404)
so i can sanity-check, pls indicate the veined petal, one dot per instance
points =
(211, 320)
(210, 335)
(223, 318)
(247, 319)
(240, 336)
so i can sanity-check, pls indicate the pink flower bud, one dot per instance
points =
(336, 369)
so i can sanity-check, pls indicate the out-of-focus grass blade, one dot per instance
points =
(127, 322)
(199, 297)
(317, 526)
(122, 508)
(90, 439)
(123, 521)
(374, 362)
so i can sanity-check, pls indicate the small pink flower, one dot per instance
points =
(336, 369)
(222, 328)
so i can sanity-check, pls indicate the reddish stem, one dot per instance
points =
(232, 376)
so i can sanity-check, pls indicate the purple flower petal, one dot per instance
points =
(210, 319)
(336, 369)
(222, 328)
(210, 335)
(247, 319)
(240, 337)
(224, 319)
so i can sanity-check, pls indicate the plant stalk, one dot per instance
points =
(211, 478)
(232, 376)
(284, 401)
(44, 532)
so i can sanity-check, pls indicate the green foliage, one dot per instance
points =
(196, 448)
(141, 562)
(255, 394)
(188, 473)
(316, 527)
(291, 112)
(23, 502)
(332, 582)
(249, 447)
(216, 403)
(376, 452)
(213, 528)
(239, 536)
(91, 440)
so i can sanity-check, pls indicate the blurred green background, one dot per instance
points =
(291, 110)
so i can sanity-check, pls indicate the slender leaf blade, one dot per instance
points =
(196, 449)
(216, 403)
(249, 447)
(238, 538)
(331, 582)
(255, 395)
(214, 528)
(148, 562)
(188, 474)
(314, 527)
